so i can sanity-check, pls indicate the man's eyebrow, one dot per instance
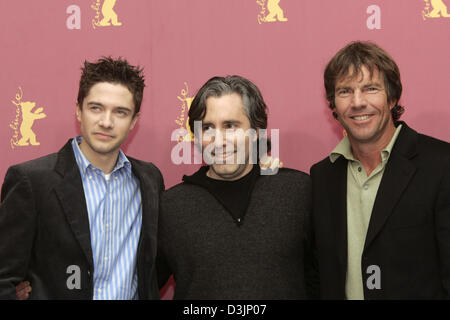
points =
(123, 108)
(372, 84)
(100, 104)
(232, 122)
(342, 87)
(94, 102)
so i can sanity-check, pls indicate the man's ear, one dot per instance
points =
(392, 105)
(78, 111)
(335, 115)
(134, 120)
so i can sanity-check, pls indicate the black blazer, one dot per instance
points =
(409, 230)
(44, 228)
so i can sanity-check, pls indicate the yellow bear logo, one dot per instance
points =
(183, 119)
(190, 135)
(275, 11)
(439, 9)
(28, 117)
(109, 15)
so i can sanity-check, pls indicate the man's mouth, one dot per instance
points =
(362, 117)
(103, 136)
(224, 155)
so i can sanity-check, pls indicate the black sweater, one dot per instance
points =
(211, 257)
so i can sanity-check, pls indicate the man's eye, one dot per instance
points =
(230, 126)
(95, 108)
(372, 89)
(343, 92)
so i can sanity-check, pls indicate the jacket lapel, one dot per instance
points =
(71, 195)
(337, 189)
(396, 177)
(150, 200)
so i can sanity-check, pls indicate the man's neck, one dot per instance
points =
(369, 154)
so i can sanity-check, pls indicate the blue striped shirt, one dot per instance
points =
(115, 219)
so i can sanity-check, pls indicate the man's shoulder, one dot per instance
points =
(286, 175)
(321, 165)
(37, 172)
(430, 144)
(285, 183)
(143, 165)
(147, 171)
(39, 165)
(182, 190)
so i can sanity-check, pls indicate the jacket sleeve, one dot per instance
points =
(17, 231)
(442, 225)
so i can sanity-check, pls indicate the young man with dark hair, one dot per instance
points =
(228, 232)
(81, 223)
(381, 200)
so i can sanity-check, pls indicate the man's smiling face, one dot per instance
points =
(362, 106)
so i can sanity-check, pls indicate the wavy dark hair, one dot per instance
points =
(117, 71)
(354, 56)
(254, 105)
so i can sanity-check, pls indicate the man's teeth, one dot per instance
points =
(361, 117)
(224, 155)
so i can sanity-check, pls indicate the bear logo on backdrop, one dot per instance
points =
(182, 120)
(23, 122)
(105, 15)
(270, 11)
(435, 9)
(108, 16)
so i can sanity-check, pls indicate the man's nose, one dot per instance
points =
(107, 120)
(359, 99)
(219, 138)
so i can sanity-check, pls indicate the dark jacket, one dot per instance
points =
(44, 228)
(409, 231)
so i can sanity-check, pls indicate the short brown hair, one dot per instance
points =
(117, 71)
(354, 56)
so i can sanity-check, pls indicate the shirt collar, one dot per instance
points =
(344, 148)
(84, 164)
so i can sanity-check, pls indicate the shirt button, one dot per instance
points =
(366, 187)
(359, 169)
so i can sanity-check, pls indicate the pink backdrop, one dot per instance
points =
(182, 43)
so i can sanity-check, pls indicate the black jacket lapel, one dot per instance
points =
(150, 200)
(337, 189)
(397, 175)
(71, 195)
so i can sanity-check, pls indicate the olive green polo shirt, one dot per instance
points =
(361, 193)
